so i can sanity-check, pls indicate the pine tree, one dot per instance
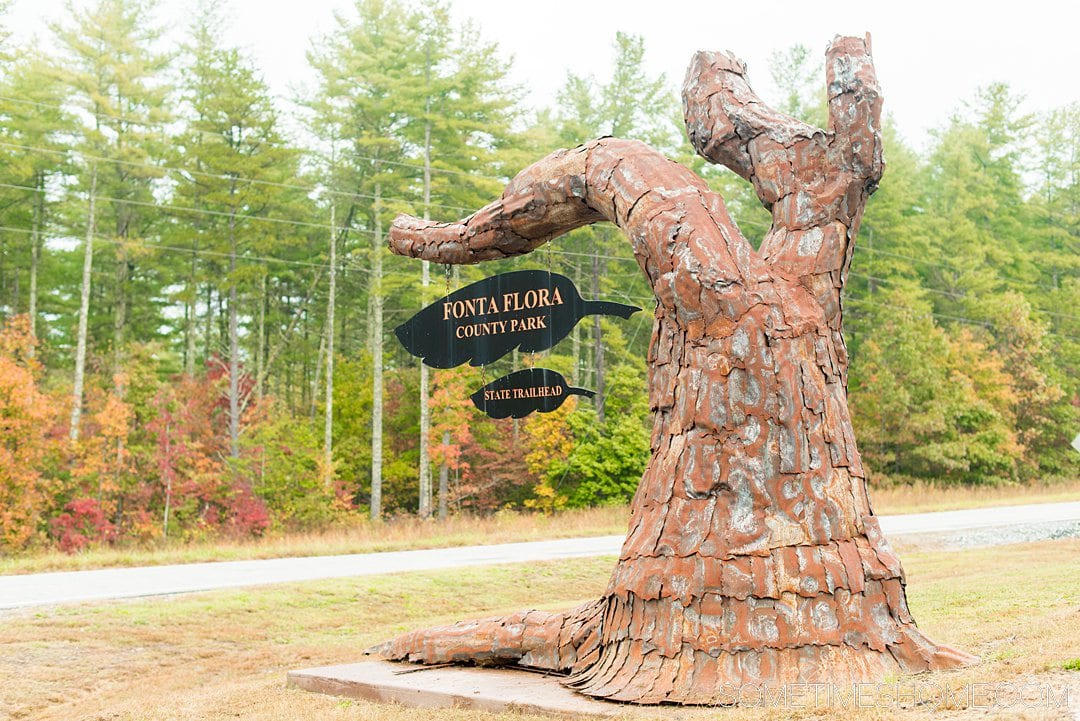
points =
(32, 123)
(463, 130)
(631, 105)
(363, 100)
(111, 70)
(239, 154)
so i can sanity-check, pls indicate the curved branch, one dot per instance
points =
(555, 642)
(680, 230)
(815, 183)
(855, 108)
(542, 202)
(730, 125)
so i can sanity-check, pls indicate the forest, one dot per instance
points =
(197, 303)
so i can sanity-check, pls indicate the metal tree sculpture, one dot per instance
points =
(752, 556)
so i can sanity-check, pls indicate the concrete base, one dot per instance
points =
(485, 689)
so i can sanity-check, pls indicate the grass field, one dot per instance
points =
(225, 654)
(501, 528)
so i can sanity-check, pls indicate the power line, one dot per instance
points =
(249, 259)
(408, 201)
(989, 325)
(957, 296)
(252, 181)
(197, 211)
(925, 261)
(162, 127)
(186, 251)
(297, 223)
(219, 213)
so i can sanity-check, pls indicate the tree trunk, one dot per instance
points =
(120, 310)
(260, 342)
(35, 252)
(752, 557)
(375, 302)
(234, 340)
(598, 342)
(318, 375)
(328, 421)
(167, 451)
(15, 291)
(576, 377)
(208, 333)
(425, 372)
(84, 312)
(192, 315)
(444, 480)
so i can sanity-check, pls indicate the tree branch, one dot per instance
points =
(542, 202)
(681, 233)
(855, 108)
(729, 125)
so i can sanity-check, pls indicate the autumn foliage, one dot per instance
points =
(151, 462)
(25, 416)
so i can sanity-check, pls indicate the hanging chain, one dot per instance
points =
(446, 266)
(483, 374)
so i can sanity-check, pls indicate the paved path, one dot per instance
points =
(75, 586)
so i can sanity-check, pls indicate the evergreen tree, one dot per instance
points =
(240, 160)
(32, 126)
(112, 71)
(365, 97)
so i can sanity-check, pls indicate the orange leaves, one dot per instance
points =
(451, 414)
(25, 417)
(102, 457)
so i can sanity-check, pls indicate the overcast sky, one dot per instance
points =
(930, 56)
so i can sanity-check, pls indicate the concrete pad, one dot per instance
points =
(484, 689)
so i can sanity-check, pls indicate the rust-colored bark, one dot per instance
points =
(753, 556)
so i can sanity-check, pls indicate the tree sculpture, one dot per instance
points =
(753, 556)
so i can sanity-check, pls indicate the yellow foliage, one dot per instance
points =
(549, 437)
(25, 416)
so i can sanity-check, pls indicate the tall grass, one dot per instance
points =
(406, 532)
(362, 536)
(922, 497)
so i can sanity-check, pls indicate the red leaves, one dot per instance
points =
(82, 523)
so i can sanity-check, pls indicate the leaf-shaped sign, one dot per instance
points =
(527, 309)
(522, 392)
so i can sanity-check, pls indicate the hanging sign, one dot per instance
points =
(531, 310)
(522, 392)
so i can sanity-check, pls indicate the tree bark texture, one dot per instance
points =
(328, 411)
(84, 311)
(35, 251)
(753, 556)
(375, 301)
(234, 338)
(424, 506)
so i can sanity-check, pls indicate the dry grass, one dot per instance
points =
(363, 537)
(503, 527)
(925, 497)
(225, 654)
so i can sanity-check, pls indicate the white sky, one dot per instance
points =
(930, 55)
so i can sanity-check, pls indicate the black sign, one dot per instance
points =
(522, 392)
(528, 309)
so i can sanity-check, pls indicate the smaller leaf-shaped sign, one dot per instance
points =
(527, 309)
(522, 392)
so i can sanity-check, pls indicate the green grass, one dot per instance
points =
(225, 654)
